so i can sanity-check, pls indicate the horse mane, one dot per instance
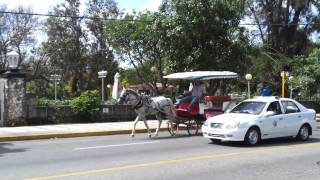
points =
(133, 92)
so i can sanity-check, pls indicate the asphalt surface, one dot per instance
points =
(77, 130)
(164, 157)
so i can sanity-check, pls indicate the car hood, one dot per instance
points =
(233, 117)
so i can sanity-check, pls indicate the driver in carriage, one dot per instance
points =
(194, 95)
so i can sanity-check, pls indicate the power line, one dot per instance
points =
(75, 17)
(278, 24)
(135, 20)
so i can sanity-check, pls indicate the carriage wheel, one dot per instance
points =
(193, 127)
(173, 130)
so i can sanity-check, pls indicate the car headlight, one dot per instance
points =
(233, 125)
(205, 123)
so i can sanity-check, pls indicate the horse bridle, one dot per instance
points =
(125, 98)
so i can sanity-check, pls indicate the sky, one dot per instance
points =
(43, 6)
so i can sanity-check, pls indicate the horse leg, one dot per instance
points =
(146, 124)
(134, 125)
(159, 124)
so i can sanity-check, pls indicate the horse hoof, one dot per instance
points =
(156, 135)
(132, 135)
(149, 135)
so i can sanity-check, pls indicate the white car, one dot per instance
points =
(261, 118)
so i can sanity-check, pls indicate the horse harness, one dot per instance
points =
(142, 100)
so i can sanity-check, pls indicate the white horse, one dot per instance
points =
(145, 105)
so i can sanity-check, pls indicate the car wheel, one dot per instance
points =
(252, 137)
(216, 141)
(303, 133)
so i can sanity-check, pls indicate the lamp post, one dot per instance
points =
(102, 75)
(283, 78)
(290, 80)
(55, 78)
(283, 74)
(108, 92)
(13, 85)
(13, 60)
(248, 78)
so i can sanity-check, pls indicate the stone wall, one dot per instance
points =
(37, 115)
(12, 97)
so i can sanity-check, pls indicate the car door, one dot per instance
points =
(273, 125)
(292, 117)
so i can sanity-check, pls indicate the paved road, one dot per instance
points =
(120, 157)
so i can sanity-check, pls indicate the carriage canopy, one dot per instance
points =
(202, 75)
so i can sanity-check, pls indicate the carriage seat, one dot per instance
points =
(215, 103)
(182, 111)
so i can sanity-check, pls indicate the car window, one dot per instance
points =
(249, 107)
(290, 107)
(275, 107)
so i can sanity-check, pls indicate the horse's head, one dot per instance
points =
(123, 96)
(128, 96)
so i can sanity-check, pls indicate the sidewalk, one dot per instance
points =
(78, 130)
(74, 130)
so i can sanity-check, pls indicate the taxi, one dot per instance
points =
(261, 118)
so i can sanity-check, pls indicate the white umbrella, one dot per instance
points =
(190, 86)
(116, 86)
(202, 75)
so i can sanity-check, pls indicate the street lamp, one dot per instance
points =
(108, 92)
(290, 80)
(55, 78)
(102, 75)
(248, 78)
(13, 60)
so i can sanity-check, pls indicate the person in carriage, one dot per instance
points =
(194, 95)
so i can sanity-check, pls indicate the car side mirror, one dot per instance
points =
(269, 113)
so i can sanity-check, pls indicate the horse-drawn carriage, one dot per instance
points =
(179, 118)
(191, 119)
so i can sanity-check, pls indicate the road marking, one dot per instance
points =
(115, 145)
(174, 161)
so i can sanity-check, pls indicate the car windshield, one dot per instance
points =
(249, 107)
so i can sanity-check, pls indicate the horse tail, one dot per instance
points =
(172, 108)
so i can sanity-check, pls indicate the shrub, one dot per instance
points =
(87, 103)
(53, 103)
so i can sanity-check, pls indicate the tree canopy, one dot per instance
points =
(260, 37)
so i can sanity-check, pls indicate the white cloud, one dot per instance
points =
(152, 5)
(38, 6)
(43, 6)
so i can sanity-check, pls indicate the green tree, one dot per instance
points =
(307, 73)
(16, 32)
(130, 76)
(136, 41)
(204, 35)
(100, 56)
(65, 45)
(39, 70)
(284, 28)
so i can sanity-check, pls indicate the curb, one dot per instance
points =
(74, 134)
